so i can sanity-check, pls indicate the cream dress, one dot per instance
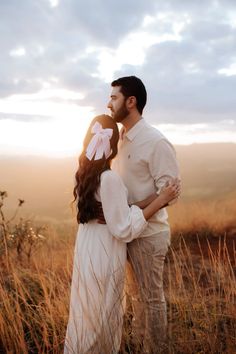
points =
(96, 305)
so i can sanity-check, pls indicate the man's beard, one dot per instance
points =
(121, 114)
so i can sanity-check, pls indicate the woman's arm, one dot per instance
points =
(145, 202)
(124, 222)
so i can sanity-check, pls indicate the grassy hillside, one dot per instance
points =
(208, 172)
(199, 281)
(199, 274)
(45, 184)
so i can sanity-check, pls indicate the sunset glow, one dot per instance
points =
(56, 77)
(57, 128)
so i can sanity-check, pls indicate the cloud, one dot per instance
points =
(104, 23)
(24, 117)
(63, 44)
(183, 76)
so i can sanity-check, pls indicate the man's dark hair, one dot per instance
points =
(132, 86)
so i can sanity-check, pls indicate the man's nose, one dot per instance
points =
(109, 105)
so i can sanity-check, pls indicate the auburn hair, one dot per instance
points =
(87, 177)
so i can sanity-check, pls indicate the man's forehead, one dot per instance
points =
(116, 90)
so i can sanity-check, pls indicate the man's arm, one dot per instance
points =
(163, 164)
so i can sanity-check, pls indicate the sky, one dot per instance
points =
(58, 58)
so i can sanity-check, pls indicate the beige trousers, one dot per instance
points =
(146, 258)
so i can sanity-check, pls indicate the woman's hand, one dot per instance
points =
(171, 190)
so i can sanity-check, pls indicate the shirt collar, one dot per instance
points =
(131, 134)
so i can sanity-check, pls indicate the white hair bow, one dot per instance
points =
(100, 142)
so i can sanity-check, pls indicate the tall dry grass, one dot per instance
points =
(218, 215)
(199, 284)
(201, 295)
(34, 299)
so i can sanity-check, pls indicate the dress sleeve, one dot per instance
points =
(124, 222)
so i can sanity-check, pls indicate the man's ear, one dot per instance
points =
(131, 102)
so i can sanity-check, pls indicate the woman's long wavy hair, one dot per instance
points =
(89, 172)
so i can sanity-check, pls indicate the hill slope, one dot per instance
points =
(207, 170)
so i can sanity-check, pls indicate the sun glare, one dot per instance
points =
(49, 125)
(56, 137)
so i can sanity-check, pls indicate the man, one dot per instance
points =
(146, 161)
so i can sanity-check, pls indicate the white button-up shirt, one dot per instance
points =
(145, 161)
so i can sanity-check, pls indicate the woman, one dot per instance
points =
(96, 311)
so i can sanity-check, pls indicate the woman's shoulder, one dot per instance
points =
(112, 183)
(110, 175)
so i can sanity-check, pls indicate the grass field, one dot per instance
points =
(199, 284)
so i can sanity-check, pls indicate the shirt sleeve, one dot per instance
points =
(163, 163)
(124, 222)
